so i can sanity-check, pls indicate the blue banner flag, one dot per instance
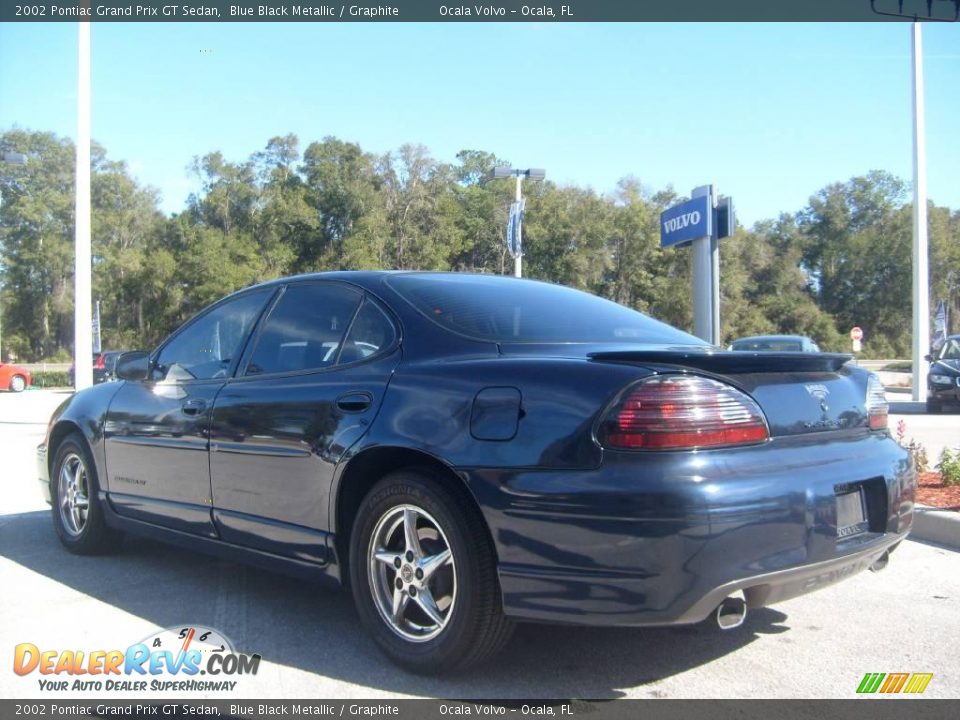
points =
(940, 325)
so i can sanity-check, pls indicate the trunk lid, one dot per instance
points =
(799, 393)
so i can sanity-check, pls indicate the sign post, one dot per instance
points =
(701, 222)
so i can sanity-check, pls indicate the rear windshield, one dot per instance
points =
(505, 309)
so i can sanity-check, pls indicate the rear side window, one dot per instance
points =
(370, 333)
(502, 309)
(305, 330)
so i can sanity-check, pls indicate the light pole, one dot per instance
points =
(82, 296)
(921, 281)
(533, 174)
(921, 260)
(9, 158)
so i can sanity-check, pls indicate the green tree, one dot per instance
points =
(36, 233)
(856, 248)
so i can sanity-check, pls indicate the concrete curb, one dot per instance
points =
(907, 407)
(933, 525)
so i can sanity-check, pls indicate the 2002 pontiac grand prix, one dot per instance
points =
(466, 451)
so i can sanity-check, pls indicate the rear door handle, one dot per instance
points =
(194, 407)
(354, 402)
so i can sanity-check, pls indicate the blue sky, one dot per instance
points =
(769, 112)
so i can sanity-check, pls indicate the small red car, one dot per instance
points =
(14, 378)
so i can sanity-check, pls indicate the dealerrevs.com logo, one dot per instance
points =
(894, 683)
(178, 659)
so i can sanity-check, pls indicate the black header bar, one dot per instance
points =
(479, 11)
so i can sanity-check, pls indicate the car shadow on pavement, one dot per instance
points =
(313, 629)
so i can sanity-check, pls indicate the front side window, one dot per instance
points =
(205, 348)
(305, 330)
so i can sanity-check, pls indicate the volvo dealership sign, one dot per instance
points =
(686, 222)
(701, 222)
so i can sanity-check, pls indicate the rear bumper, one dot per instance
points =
(662, 538)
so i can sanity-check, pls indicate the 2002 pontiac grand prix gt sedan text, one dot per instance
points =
(465, 451)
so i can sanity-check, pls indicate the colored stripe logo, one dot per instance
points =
(890, 683)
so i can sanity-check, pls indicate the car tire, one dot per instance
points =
(933, 406)
(18, 383)
(77, 515)
(432, 605)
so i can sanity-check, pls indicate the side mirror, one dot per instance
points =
(134, 365)
(928, 357)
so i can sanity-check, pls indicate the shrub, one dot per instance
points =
(50, 378)
(949, 466)
(917, 451)
(899, 366)
(919, 454)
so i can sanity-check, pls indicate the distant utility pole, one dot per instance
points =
(82, 297)
(515, 221)
(921, 281)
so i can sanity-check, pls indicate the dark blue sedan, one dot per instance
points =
(467, 451)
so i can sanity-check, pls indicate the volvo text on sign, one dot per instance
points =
(686, 222)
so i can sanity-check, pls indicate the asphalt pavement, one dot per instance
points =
(904, 619)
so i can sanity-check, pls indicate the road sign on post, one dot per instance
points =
(726, 222)
(856, 335)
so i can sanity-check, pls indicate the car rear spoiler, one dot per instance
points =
(730, 361)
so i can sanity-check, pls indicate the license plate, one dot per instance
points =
(851, 514)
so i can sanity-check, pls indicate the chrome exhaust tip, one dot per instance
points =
(732, 611)
(881, 562)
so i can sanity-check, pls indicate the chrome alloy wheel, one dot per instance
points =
(412, 573)
(74, 494)
(18, 383)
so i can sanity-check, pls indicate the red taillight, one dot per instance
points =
(876, 403)
(101, 362)
(682, 411)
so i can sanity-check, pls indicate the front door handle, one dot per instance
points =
(194, 407)
(354, 402)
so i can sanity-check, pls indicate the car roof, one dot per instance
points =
(360, 277)
(368, 278)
